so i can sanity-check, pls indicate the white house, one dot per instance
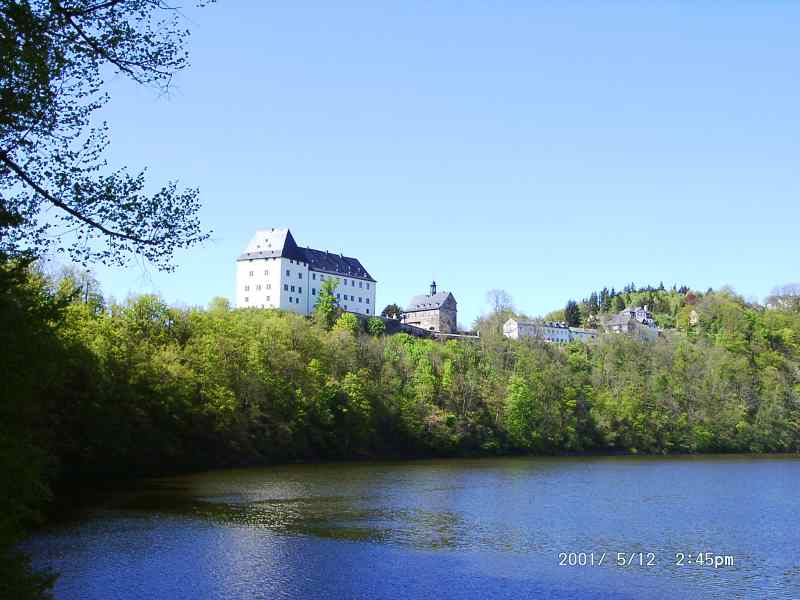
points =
(556, 332)
(274, 272)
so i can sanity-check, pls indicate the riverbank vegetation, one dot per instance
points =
(139, 387)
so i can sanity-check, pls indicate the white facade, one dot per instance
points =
(274, 272)
(582, 334)
(558, 333)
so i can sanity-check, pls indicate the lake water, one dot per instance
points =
(444, 529)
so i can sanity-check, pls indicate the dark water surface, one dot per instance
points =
(488, 528)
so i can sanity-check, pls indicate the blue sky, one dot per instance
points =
(547, 149)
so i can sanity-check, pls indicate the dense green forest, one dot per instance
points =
(96, 389)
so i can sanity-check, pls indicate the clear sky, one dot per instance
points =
(547, 149)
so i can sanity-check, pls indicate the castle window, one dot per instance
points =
(247, 288)
(292, 288)
(361, 284)
(246, 299)
(367, 311)
(367, 285)
(266, 272)
(269, 286)
(288, 273)
(367, 302)
(258, 288)
(267, 298)
(359, 298)
(285, 287)
(251, 273)
(313, 276)
(299, 290)
(299, 275)
(313, 291)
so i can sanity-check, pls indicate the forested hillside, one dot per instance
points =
(98, 390)
(666, 304)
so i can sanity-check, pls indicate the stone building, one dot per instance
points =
(637, 322)
(274, 272)
(436, 311)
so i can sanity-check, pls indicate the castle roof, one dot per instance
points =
(335, 263)
(428, 302)
(279, 243)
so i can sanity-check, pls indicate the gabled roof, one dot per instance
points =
(427, 302)
(279, 243)
(272, 243)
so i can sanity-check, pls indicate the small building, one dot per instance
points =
(436, 311)
(549, 331)
(637, 322)
(274, 272)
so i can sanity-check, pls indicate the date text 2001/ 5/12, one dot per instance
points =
(598, 559)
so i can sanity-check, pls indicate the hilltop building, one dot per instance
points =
(274, 272)
(637, 322)
(549, 331)
(436, 311)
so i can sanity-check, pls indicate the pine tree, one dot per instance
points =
(594, 304)
(605, 299)
(572, 314)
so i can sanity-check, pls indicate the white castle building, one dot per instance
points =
(557, 332)
(274, 272)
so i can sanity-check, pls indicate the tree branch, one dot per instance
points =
(90, 9)
(96, 47)
(20, 172)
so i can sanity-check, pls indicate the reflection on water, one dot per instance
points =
(454, 529)
(338, 518)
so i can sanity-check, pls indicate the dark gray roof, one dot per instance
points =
(335, 263)
(282, 244)
(426, 302)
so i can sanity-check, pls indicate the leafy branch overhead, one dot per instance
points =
(56, 190)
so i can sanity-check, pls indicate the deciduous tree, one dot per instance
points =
(55, 183)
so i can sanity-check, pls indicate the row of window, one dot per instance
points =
(267, 286)
(345, 307)
(290, 288)
(352, 298)
(293, 300)
(342, 281)
(314, 277)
